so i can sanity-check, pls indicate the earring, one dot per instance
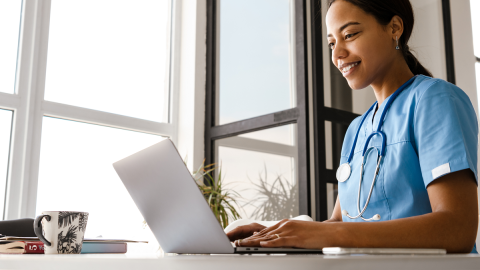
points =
(398, 48)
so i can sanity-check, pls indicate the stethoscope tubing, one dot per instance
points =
(377, 169)
(380, 122)
(366, 150)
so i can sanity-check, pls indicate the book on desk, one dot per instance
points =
(31, 245)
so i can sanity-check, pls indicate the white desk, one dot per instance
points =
(241, 262)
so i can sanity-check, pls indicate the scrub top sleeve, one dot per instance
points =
(445, 131)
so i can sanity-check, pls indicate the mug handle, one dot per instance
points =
(37, 228)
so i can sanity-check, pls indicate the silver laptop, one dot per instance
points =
(168, 198)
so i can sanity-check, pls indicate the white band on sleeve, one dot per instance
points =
(441, 170)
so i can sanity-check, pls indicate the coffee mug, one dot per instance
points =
(61, 231)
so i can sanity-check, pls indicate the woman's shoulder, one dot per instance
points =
(424, 87)
(436, 99)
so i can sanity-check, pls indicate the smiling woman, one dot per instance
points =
(421, 189)
(365, 38)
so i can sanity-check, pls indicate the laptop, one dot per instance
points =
(173, 206)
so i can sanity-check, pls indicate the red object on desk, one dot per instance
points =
(22, 247)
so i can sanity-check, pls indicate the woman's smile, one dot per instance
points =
(349, 69)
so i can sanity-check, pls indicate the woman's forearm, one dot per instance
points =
(435, 230)
(452, 225)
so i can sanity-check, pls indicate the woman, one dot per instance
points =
(425, 193)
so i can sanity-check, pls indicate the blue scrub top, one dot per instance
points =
(431, 129)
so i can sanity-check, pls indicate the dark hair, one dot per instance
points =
(383, 11)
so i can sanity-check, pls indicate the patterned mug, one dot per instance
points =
(61, 231)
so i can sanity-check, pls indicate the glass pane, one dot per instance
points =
(328, 145)
(475, 10)
(5, 135)
(282, 135)
(332, 193)
(255, 51)
(334, 134)
(110, 55)
(10, 12)
(263, 173)
(76, 164)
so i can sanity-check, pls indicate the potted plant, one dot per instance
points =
(220, 199)
(274, 201)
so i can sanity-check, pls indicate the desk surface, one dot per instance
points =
(243, 262)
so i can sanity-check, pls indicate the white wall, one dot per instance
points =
(427, 39)
(463, 53)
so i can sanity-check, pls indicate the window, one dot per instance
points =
(122, 51)
(94, 85)
(6, 117)
(10, 12)
(255, 59)
(262, 167)
(256, 109)
(76, 171)
(475, 10)
(10, 23)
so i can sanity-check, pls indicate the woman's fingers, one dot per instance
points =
(253, 241)
(269, 229)
(284, 242)
(236, 233)
(266, 234)
(269, 241)
(241, 232)
(298, 234)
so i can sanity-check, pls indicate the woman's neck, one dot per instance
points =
(387, 84)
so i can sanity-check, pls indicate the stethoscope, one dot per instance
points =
(344, 171)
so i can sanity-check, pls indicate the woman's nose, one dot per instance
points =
(339, 52)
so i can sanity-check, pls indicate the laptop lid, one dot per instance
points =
(170, 201)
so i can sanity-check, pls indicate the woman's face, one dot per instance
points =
(362, 48)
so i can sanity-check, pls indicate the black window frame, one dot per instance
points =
(298, 114)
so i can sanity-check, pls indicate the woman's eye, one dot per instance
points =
(331, 46)
(350, 35)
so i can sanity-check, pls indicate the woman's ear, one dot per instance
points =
(396, 25)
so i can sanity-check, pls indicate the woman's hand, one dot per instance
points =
(291, 233)
(244, 231)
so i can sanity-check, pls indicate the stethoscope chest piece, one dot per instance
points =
(343, 172)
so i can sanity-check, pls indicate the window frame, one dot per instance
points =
(29, 107)
(298, 114)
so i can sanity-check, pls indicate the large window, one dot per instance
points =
(256, 121)
(92, 86)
